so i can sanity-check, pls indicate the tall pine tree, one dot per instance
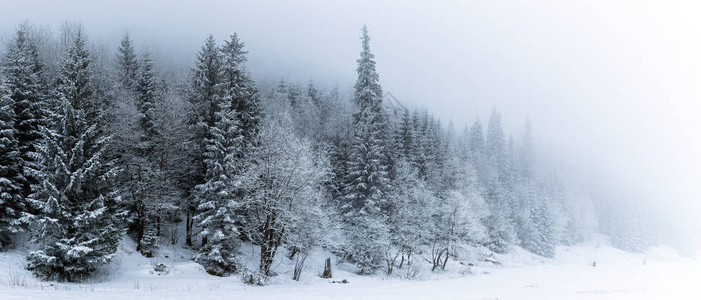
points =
(79, 220)
(206, 93)
(145, 171)
(368, 180)
(240, 90)
(127, 63)
(146, 97)
(27, 87)
(498, 194)
(217, 197)
(12, 203)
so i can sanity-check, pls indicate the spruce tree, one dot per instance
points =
(476, 146)
(476, 138)
(127, 63)
(496, 148)
(498, 193)
(314, 94)
(146, 172)
(205, 95)
(79, 220)
(240, 90)
(12, 203)
(538, 235)
(217, 198)
(368, 180)
(527, 153)
(403, 137)
(146, 97)
(24, 79)
(74, 80)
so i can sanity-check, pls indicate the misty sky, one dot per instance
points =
(612, 85)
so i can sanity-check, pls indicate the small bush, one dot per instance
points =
(253, 278)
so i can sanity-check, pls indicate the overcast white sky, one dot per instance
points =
(613, 84)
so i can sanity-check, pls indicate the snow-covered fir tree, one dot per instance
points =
(12, 202)
(127, 63)
(79, 222)
(498, 194)
(218, 198)
(404, 136)
(205, 95)
(537, 229)
(144, 168)
(527, 153)
(476, 145)
(146, 97)
(240, 90)
(368, 180)
(24, 78)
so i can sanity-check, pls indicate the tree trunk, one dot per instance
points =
(139, 222)
(391, 259)
(293, 251)
(188, 228)
(265, 260)
(327, 268)
(269, 244)
(299, 265)
(139, 234)
(437, 257)
(445, 260)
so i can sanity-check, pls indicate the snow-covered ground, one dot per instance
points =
(657, 274)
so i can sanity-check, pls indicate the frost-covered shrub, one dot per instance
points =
(253, 278)
(218, 259)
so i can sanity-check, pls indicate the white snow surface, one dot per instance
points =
(660, 273)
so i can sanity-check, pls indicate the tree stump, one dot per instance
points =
(327, 269)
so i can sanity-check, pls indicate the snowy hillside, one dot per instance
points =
(658, 273)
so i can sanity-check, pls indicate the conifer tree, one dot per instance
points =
(368, 180)
(526, 156)
(476, 138)
(74, 79)
(240, 90)
(127, 63)
(498, 193)
(12, 203)
(524, 180)
(404, 135)
(314, 94)
(538, 234)
(205, 95)
(79, 218)
(146, 97)
(25, 81)
(496, 148)
(217, 197)
(145, 171)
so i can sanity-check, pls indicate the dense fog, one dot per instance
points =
(611, 90)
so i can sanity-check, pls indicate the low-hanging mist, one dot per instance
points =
(525, 127)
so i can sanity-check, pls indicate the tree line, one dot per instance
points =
(96, 145)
